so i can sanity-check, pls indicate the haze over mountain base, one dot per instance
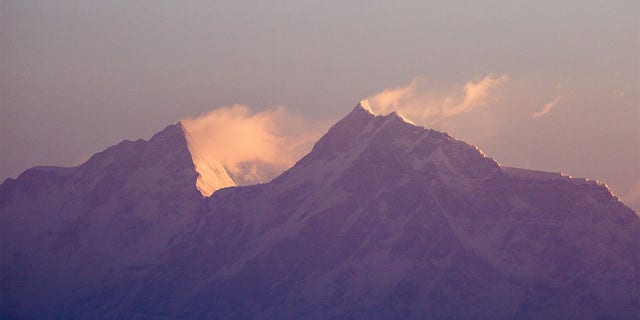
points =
(381, 220)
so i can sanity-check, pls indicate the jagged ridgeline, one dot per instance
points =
(381, 220)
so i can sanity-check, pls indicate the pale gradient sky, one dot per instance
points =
(78, 76)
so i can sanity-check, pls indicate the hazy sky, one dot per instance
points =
(78, 76)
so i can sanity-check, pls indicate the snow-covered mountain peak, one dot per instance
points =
(360, 144)
(364, 104)
(169, 133)
(397, 115)
(173, 140)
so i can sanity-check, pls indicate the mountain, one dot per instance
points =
(63, 230)
(381, 220)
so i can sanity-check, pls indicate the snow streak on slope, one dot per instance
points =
(211, 174)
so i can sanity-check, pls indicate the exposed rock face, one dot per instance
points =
(381, 220)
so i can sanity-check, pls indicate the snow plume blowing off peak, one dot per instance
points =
(422, 105)
(252, 147)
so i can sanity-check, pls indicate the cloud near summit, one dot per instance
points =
(253, 146)
(256, 146)
(419, 103)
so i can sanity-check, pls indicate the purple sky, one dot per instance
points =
(78, 76)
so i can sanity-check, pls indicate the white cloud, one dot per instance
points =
(252, 146)
(423, 105)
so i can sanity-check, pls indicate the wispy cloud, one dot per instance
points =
(546, 108)
(419, 103)
(252, 146)
(389, 100)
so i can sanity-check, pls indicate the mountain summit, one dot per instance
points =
(381, 220)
